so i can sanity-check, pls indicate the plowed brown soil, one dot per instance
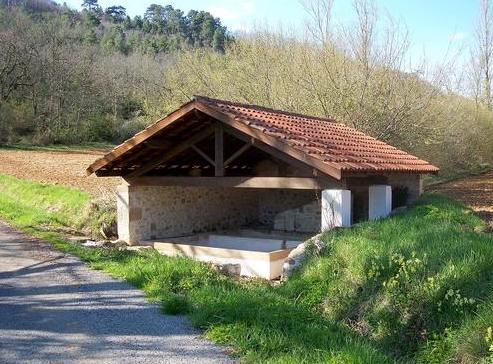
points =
(475, 192)
(58, 167)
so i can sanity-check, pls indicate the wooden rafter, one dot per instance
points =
(203, 155)
(267, 149)
(239, 152)
(142, 136)
(218, 150)
(135, 156)
(157, 144)
(173, 152)
(271, 141)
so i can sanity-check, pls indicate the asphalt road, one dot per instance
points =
(53, 309)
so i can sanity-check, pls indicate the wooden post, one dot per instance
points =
(219, 150)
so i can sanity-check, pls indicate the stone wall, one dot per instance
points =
(159, 211)
(413, 182)
(150, 212)
(290, 210)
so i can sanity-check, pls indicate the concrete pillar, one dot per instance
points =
(336, 208)
(128, 216)
(380, 201)
(413, 195)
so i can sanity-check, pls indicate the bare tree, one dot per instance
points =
(482, 54)
(320, 22)
(15, 57)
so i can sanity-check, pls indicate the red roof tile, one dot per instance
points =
(334, 143)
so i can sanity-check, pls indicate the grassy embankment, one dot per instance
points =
(417, 287)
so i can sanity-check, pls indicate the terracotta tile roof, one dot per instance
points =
(326, 145)
(332, 142)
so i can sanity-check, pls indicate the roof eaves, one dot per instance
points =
(140, 137)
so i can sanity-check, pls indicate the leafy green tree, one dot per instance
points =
(201, 26)
(90, 36)
(92, 12)
(114, 40)
(92, 19)
(219, 39)
(117, 13)
(154, 11)
(161, 44)
(128, 23)
(146, 26)
(174, 20)
(138, 22)
(207, 31)
(134, 41)
(91, 5)
(194, 21)
(164, 20)
(155, 16)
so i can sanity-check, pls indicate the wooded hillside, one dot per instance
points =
(99, 75)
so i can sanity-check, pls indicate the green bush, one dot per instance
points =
(96, 213)
(175, 304)
(102, 129)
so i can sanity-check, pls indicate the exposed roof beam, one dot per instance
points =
(203, 155)
(218, 150)
(172, 153)
(303, 183)
(157, 144)
(268, 149)
(141, 136)
(239, 152)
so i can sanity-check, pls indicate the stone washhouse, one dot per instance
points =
(234, 183)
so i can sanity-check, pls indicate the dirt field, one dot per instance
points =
(58, 167)
(475, 192)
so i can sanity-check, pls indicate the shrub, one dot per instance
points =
(96, 214)
(175, 304)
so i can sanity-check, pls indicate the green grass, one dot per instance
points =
(47, 208)
(425, 276)
(35, 205)
(413, 288)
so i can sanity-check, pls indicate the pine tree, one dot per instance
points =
(219, 39)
